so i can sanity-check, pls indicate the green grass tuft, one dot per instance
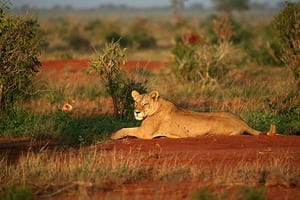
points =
(254, 194)
(17, 193)
(286, 123)
(61, 125)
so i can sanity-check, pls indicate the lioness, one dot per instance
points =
(162, 118)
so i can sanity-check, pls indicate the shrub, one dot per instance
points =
(97, 29)
(20, 40)
(287, 26)
(203, 61)
(143, 40)
(186, 64)
(254, 194)
(61, 27)
(240, 33)
(61, 125)
(78, 42)
(16, 193)
(286, 123)
(272, 45)
(86, 130)
(118, 86)
(124, 41)
(92, 25)
(262, 55)
(140, 39)
(267, 52)
(204, 194)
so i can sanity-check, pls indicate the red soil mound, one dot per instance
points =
(215, 152)
(216, 148)
(207, 151)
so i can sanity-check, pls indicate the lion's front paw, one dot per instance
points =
(115, 136)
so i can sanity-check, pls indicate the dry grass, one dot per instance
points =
(247, 87)
(242, 90)
(53, 173)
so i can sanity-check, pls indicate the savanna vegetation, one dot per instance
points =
(233, 62)
(216, 63)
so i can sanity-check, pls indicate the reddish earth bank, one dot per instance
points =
(207, 151)
(216, 149)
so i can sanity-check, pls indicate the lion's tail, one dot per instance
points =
(251, 131)
(272, 130)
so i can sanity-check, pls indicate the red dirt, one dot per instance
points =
(77, 69)
(78, 65)
(209, 151)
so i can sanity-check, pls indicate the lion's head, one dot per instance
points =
(145, 104)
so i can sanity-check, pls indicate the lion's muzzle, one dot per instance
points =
(138, 115)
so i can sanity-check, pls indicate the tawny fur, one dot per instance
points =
(162, 118)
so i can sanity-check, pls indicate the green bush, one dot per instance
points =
(204, 194)
(61, 125)
(267, 53)
(20, 40)
(17, 193)
(62, 27)
(254, 194)
(26, 124)
(78, 42)
(186, 62)
(140, 39)
(143, 40)
(240, 33)
(202, 61)
(287, 26)
(286, 123)
(246, 193)
(267, 34)
(87, 130)
(93, 25)
(124, 41)
(118, 86)
(261, 55)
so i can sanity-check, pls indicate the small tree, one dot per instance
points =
(287, 26)
(20, 40)
(118, 86)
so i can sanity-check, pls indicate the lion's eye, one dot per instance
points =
(146, 104)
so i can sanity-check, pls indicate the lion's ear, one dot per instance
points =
(135, 94)
(154, 95)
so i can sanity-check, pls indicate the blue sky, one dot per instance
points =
(93, 3)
